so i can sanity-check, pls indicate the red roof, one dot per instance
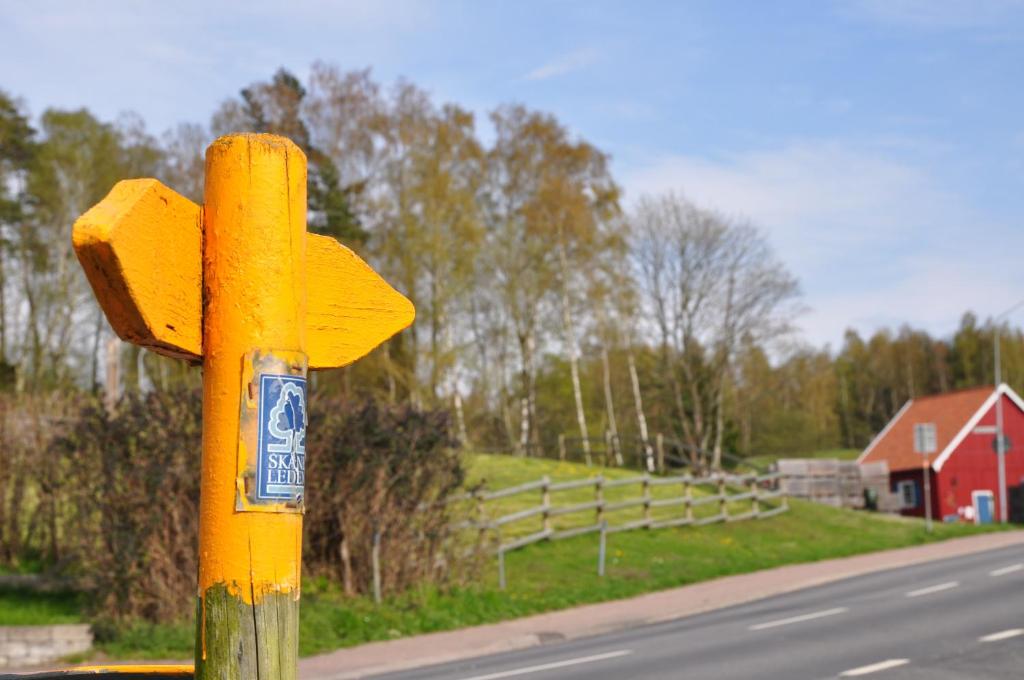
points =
(950, 413)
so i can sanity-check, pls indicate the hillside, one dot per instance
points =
(549, 576)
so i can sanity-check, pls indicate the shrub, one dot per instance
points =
(126, 488)
(375, 468)
(29, 503)
(131, 484)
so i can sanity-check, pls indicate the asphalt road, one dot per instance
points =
(955, 618)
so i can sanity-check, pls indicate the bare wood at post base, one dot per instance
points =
(239, 285)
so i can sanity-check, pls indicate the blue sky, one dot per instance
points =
(878, 143)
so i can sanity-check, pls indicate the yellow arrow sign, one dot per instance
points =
(141, 249)
(240, 285)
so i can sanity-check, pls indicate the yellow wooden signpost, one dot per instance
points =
(239, 285)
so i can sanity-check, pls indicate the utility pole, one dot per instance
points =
(927, 494)
(1000, 438)
(925, 444)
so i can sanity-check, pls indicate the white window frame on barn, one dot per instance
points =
(902, 487)
(925, 439)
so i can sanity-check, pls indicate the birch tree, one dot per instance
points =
(18, 150)
(431, 232)
(551, 199)
(80, 158)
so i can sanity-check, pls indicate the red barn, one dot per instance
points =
(963, 469)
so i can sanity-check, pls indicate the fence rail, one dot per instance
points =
(614, 505)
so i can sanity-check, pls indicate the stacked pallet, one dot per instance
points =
(841, 484)
(875, 478)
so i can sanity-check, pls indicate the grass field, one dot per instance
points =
(549, 576)
(21, 608)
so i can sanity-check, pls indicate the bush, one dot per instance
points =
(126, 488)
(131, 486)
(29, 507)
(379, 468)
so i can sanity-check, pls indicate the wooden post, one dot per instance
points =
(253, 261)
(375, 559)
(722, 509)
(755, 504)
(545, 499)
(481, 517)
(561, 446)
(227, 285)
(688, 495)
(647, 500)
(659, 447)
(599, 497)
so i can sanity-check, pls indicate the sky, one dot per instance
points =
(879, 144)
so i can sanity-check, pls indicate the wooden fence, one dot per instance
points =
(576, 507)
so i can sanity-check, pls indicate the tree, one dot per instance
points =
(549, 202)
(18, 151)
(184, 167)
(428, 230)
(709, 283)
(79, 160)
(279, 107)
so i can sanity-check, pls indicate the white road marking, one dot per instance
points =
(1002, 635)
(933, 589)
(798, 619)
(552, 665)
(1006, 570)
(874, 668)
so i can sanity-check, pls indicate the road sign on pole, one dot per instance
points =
(240, 286)
(925, 443)
(1001, 439)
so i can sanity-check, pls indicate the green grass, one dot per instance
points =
(500, 471)
(147, 641)
(549, 576)
(26, 608)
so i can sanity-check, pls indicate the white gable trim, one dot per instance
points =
(968, 427)
(885, 430)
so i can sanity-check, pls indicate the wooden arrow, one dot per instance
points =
(141, 248)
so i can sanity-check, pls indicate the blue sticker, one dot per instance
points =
(281, 463)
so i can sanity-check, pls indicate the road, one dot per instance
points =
(956, 618)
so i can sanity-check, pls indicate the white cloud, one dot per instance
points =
(874, 239)
(563, 65)
(814, 196)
